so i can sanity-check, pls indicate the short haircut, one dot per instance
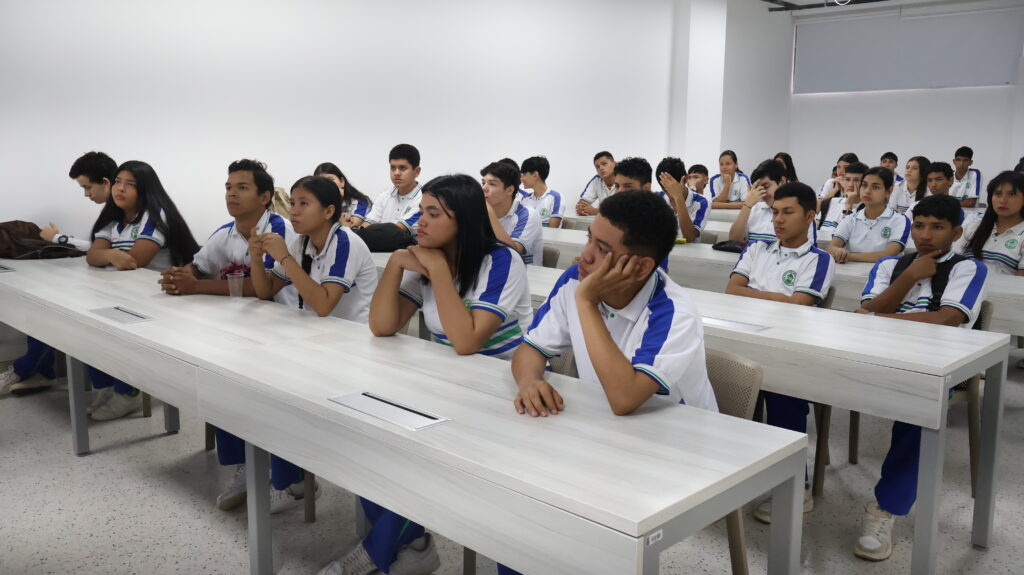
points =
(848, 157)
(698, 169)
(603, 154)
(647, 222)
(95, 166)
(770, 169)
(940, 207)
(504, 171)
(857, 168)
(264, 181)
(964, 152)
(803, 193)
(889, 156)
(537, 164)
(406, 152)
(673, 165)
(939, 167)
(510, 162)
(635, 168)
(884, 173)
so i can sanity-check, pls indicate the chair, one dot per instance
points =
(575, 224)
(707, 237)
(551, 257)
(822, 422)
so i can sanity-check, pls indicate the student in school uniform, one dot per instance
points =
(754, 222)
(834, 185)
(902, 288)
(790, 269)
(514, 224)
(358, 203)
(835, 209)
(600, 187)
(891, 161)
(94, 172)
(787, 160)
(474, 295)
(400, 204)
(939, 177)
(874, 232)
(730, 185)
(914, 186)
(249, 191)
(139, 227)
(966, 180)
(697, 179)
(541, 199)
(998, 237)
(672, 177)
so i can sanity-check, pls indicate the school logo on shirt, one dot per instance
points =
(135, 232)
(789, 278)
(886, 232)
(544, 212)
(1011, 243)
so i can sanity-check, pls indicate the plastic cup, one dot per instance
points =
(235, 284)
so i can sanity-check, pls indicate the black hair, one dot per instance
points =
(462, 199)
(698, 169)
(885, 174)
(848, 157)
(940, 167)
(95, 166)
(988, 221)
(504, 171)
(607, 154)
(510, 162)
(922, 180)
(889, 156)
(942, 207)
(732, 155)
(325, 191)
(674, 166)
(1020, 165)
(857, 168)
(803, 193)
(406, 152)
(634, 168)
(790, 167)
(648, 224)
(964, 152)
(771, 169)
(153, 201)
(352, 193)
(263, 180)
(537, 164)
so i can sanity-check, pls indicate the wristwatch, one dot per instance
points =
(62, 239)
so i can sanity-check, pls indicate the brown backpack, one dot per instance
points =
(20, 240)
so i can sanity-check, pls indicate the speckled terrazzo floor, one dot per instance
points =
(142, 502)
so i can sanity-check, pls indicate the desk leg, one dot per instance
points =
(362, 525)
(171, 422)
(787, 523)
(991, 423)
(78, 398)
(257, 470)
(929, 488)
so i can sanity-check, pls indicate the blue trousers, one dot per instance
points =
(231, 451)
(37, 359)
(502, 570)
(896, 491)
(788, 413)
(101, 380)
(389, 532)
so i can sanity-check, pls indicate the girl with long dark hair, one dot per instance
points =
(998, 237)
(357, 204)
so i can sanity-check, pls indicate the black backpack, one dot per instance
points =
(939, 280)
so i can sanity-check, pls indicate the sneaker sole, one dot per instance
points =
(766, 518)
(872, 556)
(104, 417)
(32, 384)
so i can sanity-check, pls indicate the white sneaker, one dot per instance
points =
(101, 397)
(118, 406)
(7, 379)
(235, 493)
(355, 562)
(417, 558)
(291, 496)
(875, 543)
(763, 513)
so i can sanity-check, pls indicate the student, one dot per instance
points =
(600, 187)
(902, 288)
(94, 172)
(790, 269)
(787, 160)
(697, 179)
(249, 191)
(939, 178)
(672, 177)
(730, 185)
(966, 180)
(754, 222)
(876, 231)
(913, 188)
(359, 204)
(890, 161)
(139, 227)
(329, 265)
(834, 210)
(998, 237)
(543, 200)
(834, 186)
(458, 260)
(514, 224)
(398, 205)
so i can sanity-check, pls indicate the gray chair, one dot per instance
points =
(551, 257)
(707, 237)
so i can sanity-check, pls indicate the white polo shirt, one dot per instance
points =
(523, 225)
(548, 205)
(123, 236)
(596, 192)
(864, 235)
(390, 207)
(901, 198)
(660, 331)
(737, 192)
(770, 267)
(1003, 253)
(501, 288)
(835, 215)
(226, 246)
(696, 205)
(361, 209)
(827, 187)
(968, 187)
(345, 261)
(965, 289)
(761, 228)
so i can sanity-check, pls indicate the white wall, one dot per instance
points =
(191, 85)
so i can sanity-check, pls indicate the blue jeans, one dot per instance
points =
(231, 451)
(896, 491)
(389, 532)
(38, 359)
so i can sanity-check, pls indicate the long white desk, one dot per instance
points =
(836, 358)
(585, 491)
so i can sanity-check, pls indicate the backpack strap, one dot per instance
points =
(938, 281)
(307, 265)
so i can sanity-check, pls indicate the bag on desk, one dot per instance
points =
(729, 246)
(20, 240)
(386, 237)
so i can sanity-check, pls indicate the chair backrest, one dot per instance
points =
(551, 256)
(707, 237)
(575, 224)
(736, 382)
(830, 296)
(984, 316)
(564, 364)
